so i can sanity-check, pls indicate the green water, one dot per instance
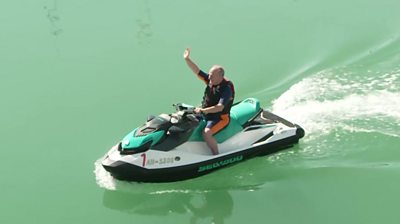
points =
(76, 76)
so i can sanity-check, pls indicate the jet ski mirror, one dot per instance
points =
(177, 106)
(183, 107)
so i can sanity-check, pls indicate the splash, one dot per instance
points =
(331, 100)
(103, 178)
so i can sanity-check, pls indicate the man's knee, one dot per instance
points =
(207, 132)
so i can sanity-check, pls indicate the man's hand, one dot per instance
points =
(186, 53)
(189, 62)
(198, 110)
(210, 110)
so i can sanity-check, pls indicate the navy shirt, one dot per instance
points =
(226, 92)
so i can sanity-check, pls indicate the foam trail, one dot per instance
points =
(326, 101)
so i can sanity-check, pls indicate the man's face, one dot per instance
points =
(215, 77)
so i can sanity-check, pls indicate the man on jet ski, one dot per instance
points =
(217, 100)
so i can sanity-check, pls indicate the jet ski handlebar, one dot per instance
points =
(183, 110)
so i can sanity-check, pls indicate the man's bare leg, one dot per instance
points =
(210, 140)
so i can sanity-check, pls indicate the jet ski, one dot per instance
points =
(170, 147)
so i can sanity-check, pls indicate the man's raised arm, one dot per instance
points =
(189, 62)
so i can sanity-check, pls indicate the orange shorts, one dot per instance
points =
(218, 124)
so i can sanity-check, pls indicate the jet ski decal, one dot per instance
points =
(220, 163)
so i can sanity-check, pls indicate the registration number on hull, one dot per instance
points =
(158, 161)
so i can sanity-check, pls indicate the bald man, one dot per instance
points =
(217, 100)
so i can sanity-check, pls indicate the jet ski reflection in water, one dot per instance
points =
(212, 205)
(170, 147)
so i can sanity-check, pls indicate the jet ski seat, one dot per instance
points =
(245, 110)
(240, 113)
